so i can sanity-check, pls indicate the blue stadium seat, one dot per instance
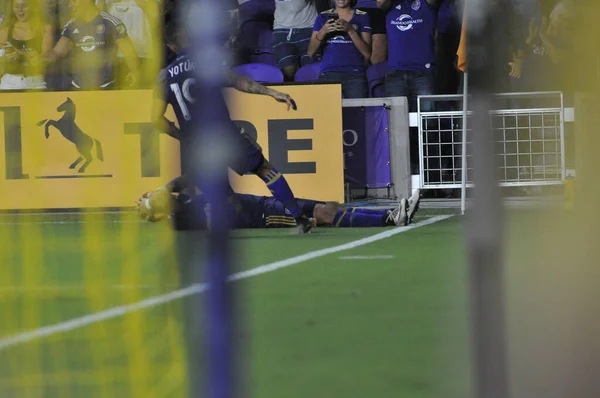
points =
(254, 42)
(262, 58)
(308, 73)
(376, 78)
(262, 73)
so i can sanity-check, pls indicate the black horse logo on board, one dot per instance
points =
(69, 129)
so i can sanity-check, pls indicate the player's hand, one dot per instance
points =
(515, 68)
(282, 97)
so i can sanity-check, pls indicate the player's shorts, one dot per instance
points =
(275, 214)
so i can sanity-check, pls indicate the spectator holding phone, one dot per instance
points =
(344, 34)
(24, 38)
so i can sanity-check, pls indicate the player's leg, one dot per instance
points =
(255, 162)
(281, 190)
(413, 204)
(191, 178)
(275, 215)
(339, 216)
(370, 211)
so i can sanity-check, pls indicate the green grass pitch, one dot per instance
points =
(394, 325)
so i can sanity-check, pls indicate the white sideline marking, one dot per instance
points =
(121, 310)
(374, 257)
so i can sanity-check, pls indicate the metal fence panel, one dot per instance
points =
(528, 129)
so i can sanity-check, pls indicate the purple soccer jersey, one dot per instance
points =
(94, 49)
(339, 52)
(176, 86)
(410, 26)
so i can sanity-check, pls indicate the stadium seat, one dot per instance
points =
(308, 73)
(254, 42)
(260, 72)
(262, 58)
(376, 78)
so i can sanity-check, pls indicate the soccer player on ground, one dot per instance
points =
(176, 87)
(187, 209)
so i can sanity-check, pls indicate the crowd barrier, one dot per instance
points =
(99, 149)
(376, 147)
(527, 128)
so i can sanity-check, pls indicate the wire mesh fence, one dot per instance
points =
(527, 129)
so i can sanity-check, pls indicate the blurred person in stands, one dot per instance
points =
(378, 35)
(58, 75)
(344, 34)
(4, 10)
(546, 47)
(93, 37)
(141, 18)
(292, 30)
(24, 37)
(411, 28)
(447, 77)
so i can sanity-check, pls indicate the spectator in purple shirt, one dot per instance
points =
(411, 26)
(344, 34)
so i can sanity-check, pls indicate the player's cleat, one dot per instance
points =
(413, 204)
(398, 216)
(304, 225)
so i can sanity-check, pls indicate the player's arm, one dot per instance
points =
(160, 122)
(131, 58)
(159, 107)
(62, 48)
(247, 85)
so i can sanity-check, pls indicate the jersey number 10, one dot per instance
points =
(183, 94)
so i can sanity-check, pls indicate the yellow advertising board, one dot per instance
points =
(99, 149)
(80, 150)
